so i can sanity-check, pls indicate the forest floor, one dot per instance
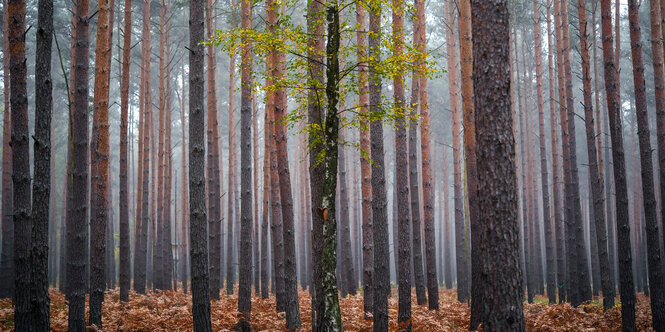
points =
(172, 311)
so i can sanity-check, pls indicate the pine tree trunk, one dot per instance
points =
(414, 189)
(655, 270)
(445, 241)
(265, 219)
(626, 286)
(344, 246)
(184, 184)
(197, 217)
(230, 193)
(41, 188)
(167, 246)
(124, 197)
(497, 198)
(245, 276)
(255, 195)
(7, 259)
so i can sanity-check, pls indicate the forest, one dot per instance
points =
(329, 165)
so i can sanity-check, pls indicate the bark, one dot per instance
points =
(98, 224)
(184, 207)
(265, 265)
(497, 199)
(380, 238)
(197, 208)
(7, 258)
(414, 189)
(453, 88)
(401, 174)
(23, 319)
(230, 266)
(594, 173)
(168, 252)
(626, 287)
(245, 277)
(41, 189)
(655, 265)
(346, 268)
(124, 194)
(445, 240)
(158, 252)
(77, 234)
(255, 194)
(214, 210)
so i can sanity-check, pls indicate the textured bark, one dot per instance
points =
(7, 258)
(158, 251)
(23, 319)
(197, 208)
(655, 265)
(468, 115)
(167, 246)
(660, 126)
(401, 174)
(346, 268)
(414, 189)
(445, 240)
(256, 255)
(99, 220)
(214, 188)
(123, 184)
(594, 173)
(232, 184)
(265, 219)
(453, 88)
(245, 276)
(77, 234)
(626, 286)
(41, 188)
(498, 238)
(381, 247)
(184, 203)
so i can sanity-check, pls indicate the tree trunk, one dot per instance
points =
(124, 197)
(41, 189)
(197, 208)
(167, 247)
(380, 237)
(445, 240)
(414, 189)
(348, 282)
(497, 198)
(7, 259)
(655, 267)
(245, 277)
(626, 287)
(230, 263)
(265, 265)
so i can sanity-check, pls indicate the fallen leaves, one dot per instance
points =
(171, 311)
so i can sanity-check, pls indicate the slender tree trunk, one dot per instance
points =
(445, 241)
(255, 194)
(496, 168)
(41, 189)
(381, 247)
(7, 258)
(626, 288)
(265, 265)
(453, 88)
(167, 247)
(230, 266)
(655, 267)
(245, 277)
(414, 189)
(158, 262)
(197, 217)
(344, 247)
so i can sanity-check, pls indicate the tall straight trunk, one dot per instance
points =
(41, 189)
(348, 280)
(166, 247)
(197, 208)
(549, 246)
(245, 276)
(581, 282)
(77, 234)
(445, 239)
(401, 176)
(158, 262)
(365, 166)
(660, 127)
(214, 188)
(184, 203)
(380, 236)
(23, 319)
(123, 184)
(139, 182)
(468, 116)
(99, 220)
(655, 265)
(594, 173)
(53, 216)
(7, 258)
(230, 193)
(453, 88)
(625, 267)
(255, 194)
(498, 240)
(65, 212)
(280, 134)
(414, 189)
(265, 219)
(427, 178)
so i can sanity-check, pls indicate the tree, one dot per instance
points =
(232, 184)
(184, 205)
(158, 261)
(245, 277)
(98, 224)
(7, 258)
(197, 209)
(497, 199)
(77, 234)
(347, 272)
(265, 219)
(401, 174)
(626, 287)
(594, 173)
(655, 264)
(214, 188)
(41, 189)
